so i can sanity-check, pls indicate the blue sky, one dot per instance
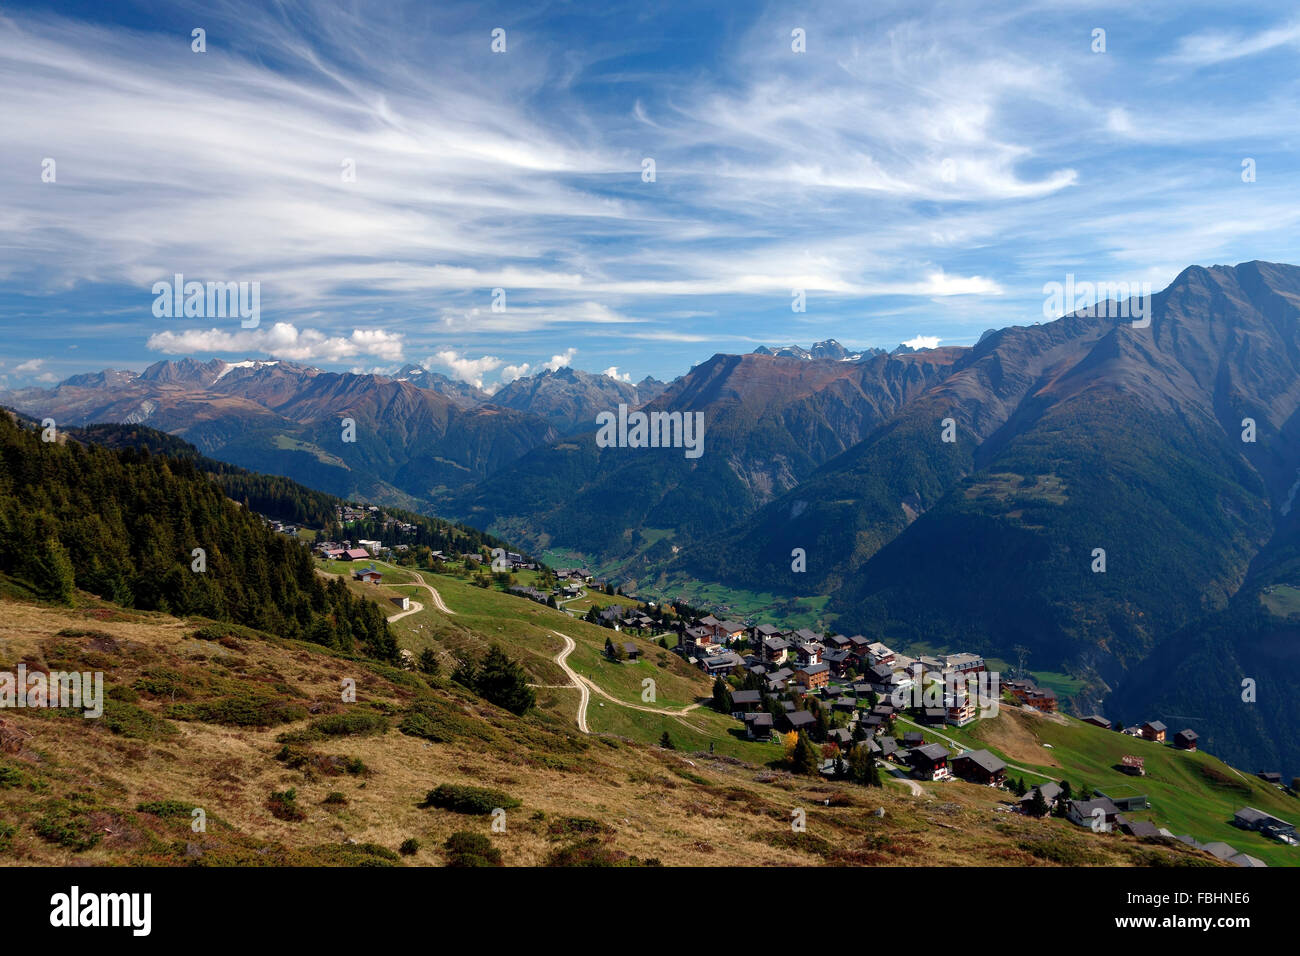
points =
(921, 171)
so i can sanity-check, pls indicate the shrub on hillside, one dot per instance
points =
(471, 849)
(462, 798)
(283, 805)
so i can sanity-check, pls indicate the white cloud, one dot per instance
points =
(465, 369)
(512, 372)
(1218, 46)
(282, 340)
(613, 373)
(31, 365)
(558, 362)
(939, 284)
(923, 342)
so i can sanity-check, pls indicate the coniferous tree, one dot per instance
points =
(803, 759)
(503, 682)
(1037, 804)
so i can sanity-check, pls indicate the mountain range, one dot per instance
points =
(1115, 500)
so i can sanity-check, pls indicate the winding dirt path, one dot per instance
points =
(416, 608)
(584, 696)
(437, 598)
(585, 686)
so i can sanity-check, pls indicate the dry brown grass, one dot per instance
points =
(679, 809)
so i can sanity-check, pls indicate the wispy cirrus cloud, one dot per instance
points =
(909, 165)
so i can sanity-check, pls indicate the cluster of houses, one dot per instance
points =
(349, 514)
(1153, 730)
(861, 686)
(342, 551)
(1105, 813)
(835, 665)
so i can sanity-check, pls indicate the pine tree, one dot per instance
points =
(721, 696)
(503, 682)
(803, 760)
(1037, 803)
(666, 742)
(52, 572)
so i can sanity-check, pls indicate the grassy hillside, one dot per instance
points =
(1190, 793)
(251, 728)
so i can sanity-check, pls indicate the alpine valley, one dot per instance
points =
(1171, 451)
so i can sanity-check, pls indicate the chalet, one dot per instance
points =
(1126, 803)
(805, 636)
(1269, 776)
(1098, 721)
(929, 761)
(723, 663)
(403, 602)
(1050, 791)
(1098, 812)
(369, 576)
(1138, 828)
(808, 654)
(711, 623)
(873, 748)
(913, 738)
(524, 591)
(961, 710)
(871, 724)
(838, 661)
(744, 701)
(838, 641)
(776, 680)
(888, 747)
(613, 614)
(1244, 859)
(963, 663)
(1185, 740)
(1031, 695)
(840, 737)
(859, 647)
(845, 705)
(1248, 818)
(758, 726)
(884, 711)
(632, 652)
(775, 649)
(1219, 850)
(354, 554)
(934, 716)
(800, 720)
(1132, 765)
(1155, 731)
(697, 640)
(761, 632)
(813, 676)
(980, 766)
(730, 631)
(880, 654)
(882, 679)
